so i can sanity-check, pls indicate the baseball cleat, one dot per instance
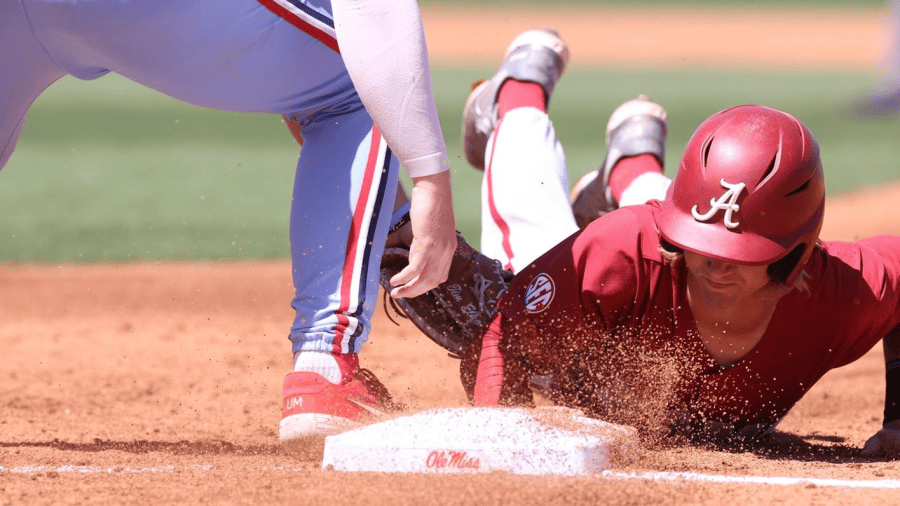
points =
(312, 406)
(538, 56)
(636, 127)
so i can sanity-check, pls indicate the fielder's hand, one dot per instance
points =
(457, 312)
(885, 442)
(434, 237)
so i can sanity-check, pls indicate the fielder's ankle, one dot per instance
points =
(335, 368)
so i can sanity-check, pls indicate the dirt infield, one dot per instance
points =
(161, 383)
(669, 36)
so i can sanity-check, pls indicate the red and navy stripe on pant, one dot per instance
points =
(370, 201)
(369, 206)
(316, 24)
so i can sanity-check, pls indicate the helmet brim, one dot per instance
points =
(715, 241)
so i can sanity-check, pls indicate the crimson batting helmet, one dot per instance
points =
(750, 190)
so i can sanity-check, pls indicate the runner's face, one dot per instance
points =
(725, 283)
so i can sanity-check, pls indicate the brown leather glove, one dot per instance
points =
(456, 313)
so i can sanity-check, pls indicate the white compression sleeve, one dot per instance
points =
(383, 46)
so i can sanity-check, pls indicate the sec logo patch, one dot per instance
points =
(539, 293)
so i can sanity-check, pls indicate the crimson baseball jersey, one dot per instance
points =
(605, 310)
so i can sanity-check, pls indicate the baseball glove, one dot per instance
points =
(456, 313)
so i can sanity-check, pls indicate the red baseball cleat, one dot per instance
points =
(314, 406)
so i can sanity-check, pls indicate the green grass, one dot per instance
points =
(107, 170)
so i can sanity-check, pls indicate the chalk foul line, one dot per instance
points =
(670, 476)
(752, 480)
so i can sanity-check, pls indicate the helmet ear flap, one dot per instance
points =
(782, 270)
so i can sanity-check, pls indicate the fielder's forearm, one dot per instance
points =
(383, 46)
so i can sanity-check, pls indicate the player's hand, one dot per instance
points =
(885, 442)
(434, 237)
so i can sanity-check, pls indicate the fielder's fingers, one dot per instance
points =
(415, 280)
(415, 287)
(419, 284)
(410, 291)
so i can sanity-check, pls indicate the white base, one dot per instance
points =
(541, 441)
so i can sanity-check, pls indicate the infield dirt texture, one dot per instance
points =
(161, 383)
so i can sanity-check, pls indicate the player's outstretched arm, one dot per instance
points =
(886, 442)
(434, 237)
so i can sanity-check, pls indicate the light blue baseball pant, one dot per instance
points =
(270, 56)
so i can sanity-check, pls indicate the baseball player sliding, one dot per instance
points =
(705, 304)
(340, 70)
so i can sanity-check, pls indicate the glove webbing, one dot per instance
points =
(398, 310)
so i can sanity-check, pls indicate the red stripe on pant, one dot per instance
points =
(350, 266)
(495, 215)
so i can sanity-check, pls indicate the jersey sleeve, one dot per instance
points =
(575, 294)
(383, 47)
(860, 281)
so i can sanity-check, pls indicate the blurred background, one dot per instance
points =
(109, 171)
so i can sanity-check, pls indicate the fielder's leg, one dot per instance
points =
(25, 71)
(342, 205)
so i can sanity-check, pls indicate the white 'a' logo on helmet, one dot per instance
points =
(727, 202)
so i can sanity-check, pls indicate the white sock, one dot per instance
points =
(646, 187)
(323, 364)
